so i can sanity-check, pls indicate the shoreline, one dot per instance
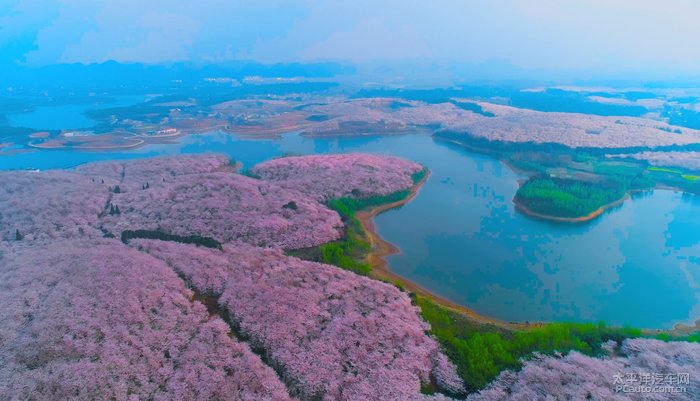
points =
(380, 249)
(596, 213)
(582, 219)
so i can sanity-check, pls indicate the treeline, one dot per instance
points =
(568, 198)
(348, 206)
(198, 240)
(503, 148)
(482, 351)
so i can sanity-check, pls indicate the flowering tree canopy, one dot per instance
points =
(133, 174)
(49, 205)
(327, 177)
(579, 377)
(334, 335)
(228, 207)
(207, 199)
(86, 317)
(98, 320)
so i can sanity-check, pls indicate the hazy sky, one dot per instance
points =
(606, 35)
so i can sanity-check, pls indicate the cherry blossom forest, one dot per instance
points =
(88, 312)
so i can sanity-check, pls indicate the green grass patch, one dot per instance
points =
(566, 198)
(347, 207)
(350, 252)
(664, 170)
(616, 168)
(676, 178)
(572, 198)
(690, 177)
(482, 351)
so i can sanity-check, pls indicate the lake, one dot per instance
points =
(462, 238)
(68, 115)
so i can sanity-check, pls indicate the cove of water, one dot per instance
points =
(462, 238)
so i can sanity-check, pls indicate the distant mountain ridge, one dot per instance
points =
(111, 73)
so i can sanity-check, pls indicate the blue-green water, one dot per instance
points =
(462, 238)
(66, 116)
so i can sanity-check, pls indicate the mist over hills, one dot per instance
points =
(139, 75)
(414, 74)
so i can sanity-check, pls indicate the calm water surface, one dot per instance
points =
(462, 238)
(67, 116)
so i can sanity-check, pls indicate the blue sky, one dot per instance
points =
(600, 35)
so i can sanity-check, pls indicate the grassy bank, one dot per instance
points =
(350, 251)
(482, 351)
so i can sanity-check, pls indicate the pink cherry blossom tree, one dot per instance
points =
(334, 335)
(49, 205)
(326, 177)
(228, 207)
(87, 320)
(580, 377)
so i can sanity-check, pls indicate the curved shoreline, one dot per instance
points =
(590, 216)
(380, 249)
(598, 212)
